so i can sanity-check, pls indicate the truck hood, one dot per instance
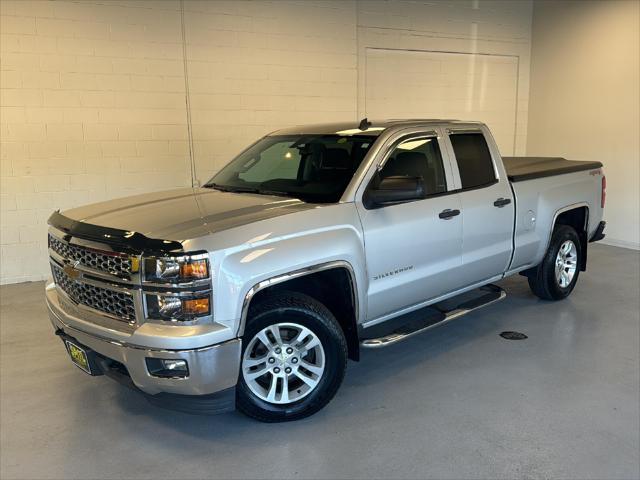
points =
(186, 213)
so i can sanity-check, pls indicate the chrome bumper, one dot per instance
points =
(211, 368)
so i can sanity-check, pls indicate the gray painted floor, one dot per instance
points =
(458, 402)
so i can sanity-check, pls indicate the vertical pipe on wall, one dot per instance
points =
(187, 99)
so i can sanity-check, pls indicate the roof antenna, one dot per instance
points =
(364, 124)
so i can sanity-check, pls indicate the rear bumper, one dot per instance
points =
(599, 233)
(212, 369)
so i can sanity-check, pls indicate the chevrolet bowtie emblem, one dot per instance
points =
(71, 270)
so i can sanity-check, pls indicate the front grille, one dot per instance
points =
(117, 264)
(118, 304)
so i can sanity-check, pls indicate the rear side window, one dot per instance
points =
(474, 159)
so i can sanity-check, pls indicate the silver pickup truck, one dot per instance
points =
(252, 291)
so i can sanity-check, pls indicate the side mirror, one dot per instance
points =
(392, 190)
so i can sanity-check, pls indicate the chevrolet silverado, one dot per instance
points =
(252, 291)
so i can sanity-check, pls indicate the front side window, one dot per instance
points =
(314, 168)
(474, 159)
(418, 157)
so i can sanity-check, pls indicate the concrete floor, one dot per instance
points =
(458, 402)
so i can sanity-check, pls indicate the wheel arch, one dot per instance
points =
(576, 216)
(316, 281)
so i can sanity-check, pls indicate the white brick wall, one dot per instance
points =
(492, 27)
(92, 108)
(93, 92)
(256, 67)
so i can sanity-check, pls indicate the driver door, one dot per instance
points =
(413, 249)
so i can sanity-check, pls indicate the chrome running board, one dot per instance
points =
(432, 316)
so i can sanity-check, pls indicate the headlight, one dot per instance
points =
(176, 308)
(179, 269)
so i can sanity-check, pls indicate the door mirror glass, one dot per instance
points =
(413, 170)
(396, 189)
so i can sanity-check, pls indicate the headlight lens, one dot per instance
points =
(175, 308)
(181, 269)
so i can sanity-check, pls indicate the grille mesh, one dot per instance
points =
(114, 303)
(115, 264)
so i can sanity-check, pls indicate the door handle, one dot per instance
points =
(448, 214)
(501, 202)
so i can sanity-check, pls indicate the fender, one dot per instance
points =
(300, 273)
(539, 204)
(243, 273)
(566, 209)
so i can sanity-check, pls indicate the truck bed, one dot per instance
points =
(526, 168)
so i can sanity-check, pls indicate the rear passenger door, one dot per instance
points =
(487, 204)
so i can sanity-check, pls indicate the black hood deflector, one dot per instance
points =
(122, 240)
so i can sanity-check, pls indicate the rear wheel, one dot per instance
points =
(557, 274)
(293, 360)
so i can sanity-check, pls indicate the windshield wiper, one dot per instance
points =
(233, 189)
(228, 188)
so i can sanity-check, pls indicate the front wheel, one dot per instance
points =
(557, 274)
(293, 359)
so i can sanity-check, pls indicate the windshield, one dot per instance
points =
(313, 168)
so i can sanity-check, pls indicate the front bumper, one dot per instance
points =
(212, 369)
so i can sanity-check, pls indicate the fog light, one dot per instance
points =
(167, 367)
(178, 365)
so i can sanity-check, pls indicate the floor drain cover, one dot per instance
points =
(513, 335)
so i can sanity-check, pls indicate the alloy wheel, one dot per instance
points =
(283, 363)
(566, 263)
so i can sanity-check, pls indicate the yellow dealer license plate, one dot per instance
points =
(78, 356)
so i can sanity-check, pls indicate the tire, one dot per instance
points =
(548, 283)
(312, 350)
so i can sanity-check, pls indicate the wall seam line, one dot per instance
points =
(187, 95)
